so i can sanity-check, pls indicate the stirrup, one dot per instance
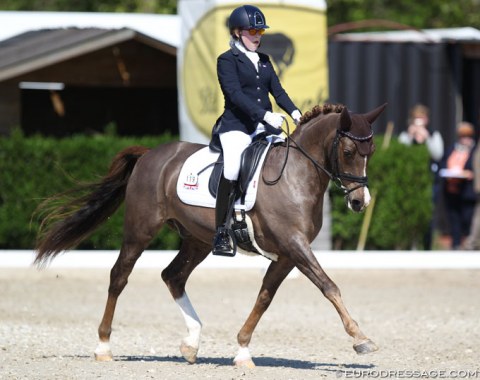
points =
(221, 244)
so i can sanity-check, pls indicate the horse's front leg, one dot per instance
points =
(175, 276)
(307, 263)
(276, 273)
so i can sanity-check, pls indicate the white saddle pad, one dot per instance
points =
(192, 188)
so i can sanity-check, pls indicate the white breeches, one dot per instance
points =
(233, 144)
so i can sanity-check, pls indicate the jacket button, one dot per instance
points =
(258, 77)
(259, 100)
(258, 88)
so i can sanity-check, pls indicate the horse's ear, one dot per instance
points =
(372, 115)
(345, 120)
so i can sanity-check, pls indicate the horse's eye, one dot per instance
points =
(348, 153)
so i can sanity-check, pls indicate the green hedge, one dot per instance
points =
(400, 178)
(34, 168)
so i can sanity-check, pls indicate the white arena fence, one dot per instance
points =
(328, 259)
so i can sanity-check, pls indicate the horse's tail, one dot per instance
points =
(73, 215)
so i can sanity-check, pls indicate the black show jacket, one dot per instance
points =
(246, 91)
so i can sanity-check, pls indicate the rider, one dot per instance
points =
(246, 79)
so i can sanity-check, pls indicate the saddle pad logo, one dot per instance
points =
(191, 182)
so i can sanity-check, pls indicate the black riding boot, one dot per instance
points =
(225, 200)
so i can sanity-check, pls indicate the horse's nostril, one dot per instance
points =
(356, 204)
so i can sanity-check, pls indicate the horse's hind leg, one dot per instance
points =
(276, 273)
(175, 276)
(127, 258)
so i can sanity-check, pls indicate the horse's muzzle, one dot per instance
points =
(358, 199)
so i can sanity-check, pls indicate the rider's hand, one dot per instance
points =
(296, 115)
(274, 119)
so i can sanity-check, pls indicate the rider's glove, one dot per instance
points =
(296, 115)
(274, 119)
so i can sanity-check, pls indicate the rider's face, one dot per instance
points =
(251, 42)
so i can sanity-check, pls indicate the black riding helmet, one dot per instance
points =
(247, 17)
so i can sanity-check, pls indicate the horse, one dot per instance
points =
(330, 143)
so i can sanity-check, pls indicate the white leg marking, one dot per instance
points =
(103, 349)
(194, 326)
(242, 355)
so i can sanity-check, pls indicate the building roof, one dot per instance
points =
(33, 40)
(40, 48)
(164, 28)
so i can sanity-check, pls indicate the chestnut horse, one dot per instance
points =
(330, 143)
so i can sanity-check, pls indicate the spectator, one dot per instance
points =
(457, 173)
(473, 241)
(419, 133)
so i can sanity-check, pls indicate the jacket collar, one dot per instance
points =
(235, 50)
(242, 57)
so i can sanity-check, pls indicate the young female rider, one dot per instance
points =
(246, 79)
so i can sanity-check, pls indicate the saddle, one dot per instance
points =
(249, 163)
(250, 159)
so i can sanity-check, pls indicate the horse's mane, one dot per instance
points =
(320, 110)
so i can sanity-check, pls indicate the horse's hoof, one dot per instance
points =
(189, 353)
(246, 363)
(365, 347)
(107, 357)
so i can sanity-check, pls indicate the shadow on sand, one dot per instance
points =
(264, 361)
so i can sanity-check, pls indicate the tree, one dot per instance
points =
(418, 14)
(141, 6)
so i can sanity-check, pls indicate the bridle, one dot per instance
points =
(335, 175)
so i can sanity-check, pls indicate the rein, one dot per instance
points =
(335, 176)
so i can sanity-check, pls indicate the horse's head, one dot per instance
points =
(352, 148)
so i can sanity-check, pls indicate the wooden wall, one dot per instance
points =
(130, 84)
